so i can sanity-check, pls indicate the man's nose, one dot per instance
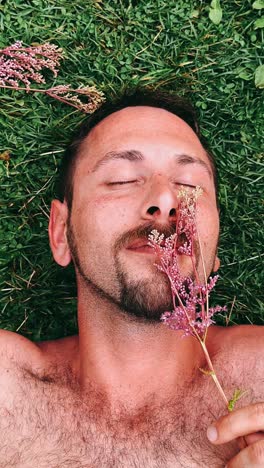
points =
(160, 202)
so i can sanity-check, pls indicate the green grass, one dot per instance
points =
(112, 44)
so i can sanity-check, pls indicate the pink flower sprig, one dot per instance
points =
(190, 296)
(191, 312)
(186, 219)
(24, 65)
(93, 98)
(20, 64)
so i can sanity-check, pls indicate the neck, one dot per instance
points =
(128, 359)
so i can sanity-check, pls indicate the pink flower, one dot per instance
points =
(24, 65)
(20, 64)
(191, 312)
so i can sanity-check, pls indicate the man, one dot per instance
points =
(128, 392)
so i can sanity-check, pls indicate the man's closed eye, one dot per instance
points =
(121, 182)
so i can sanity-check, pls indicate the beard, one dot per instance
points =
(145, 299)
(142, 299)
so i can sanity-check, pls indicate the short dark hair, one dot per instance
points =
(175, 104)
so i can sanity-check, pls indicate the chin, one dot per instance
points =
(145, 299)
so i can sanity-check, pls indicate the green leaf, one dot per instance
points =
(215, 4)
(236, 396)
(245, 75)
(259, 23)
(258, 5)
(206, 372)
(194, 14)
(259, 77)
(215, 12)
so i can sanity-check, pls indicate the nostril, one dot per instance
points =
(153, 210)
(173, 212)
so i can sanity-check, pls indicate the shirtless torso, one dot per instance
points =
(46, 422)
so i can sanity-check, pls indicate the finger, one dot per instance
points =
(242, 443)
(244, 421)
(250, 457)
(250, 439)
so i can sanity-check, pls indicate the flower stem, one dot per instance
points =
(21, 88)
(205, 280)
(213, 374)
(48, 92)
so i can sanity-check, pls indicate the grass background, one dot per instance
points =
(109, 43)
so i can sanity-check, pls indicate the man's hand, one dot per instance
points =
(246, 425)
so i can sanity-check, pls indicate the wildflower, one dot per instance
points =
(20, 64)
(191, 312)
(24, 65)
(66, 94)
(190, 296)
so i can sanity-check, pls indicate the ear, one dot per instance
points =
(57, 233)
(216, 264)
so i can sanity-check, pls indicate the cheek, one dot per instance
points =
(101, 218)
(111, 211)
(208, 224)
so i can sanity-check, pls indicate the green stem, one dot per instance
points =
(213, 374)
(205, 279)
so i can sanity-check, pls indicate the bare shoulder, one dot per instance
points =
(17, 349)
(17, 356)
(246, 338)
(239, 351)
(24, 360)
(237, 341)
(63, 351)
(20, 349)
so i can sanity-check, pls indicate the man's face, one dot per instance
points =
(127, 177)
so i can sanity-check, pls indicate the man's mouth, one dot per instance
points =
(141, 246)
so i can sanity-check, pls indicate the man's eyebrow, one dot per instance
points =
(185, 159)
(134, 155)
(129, 155)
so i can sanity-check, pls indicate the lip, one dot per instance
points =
(138, 243)
(141, 246)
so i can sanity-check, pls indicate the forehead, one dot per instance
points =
(143, 128)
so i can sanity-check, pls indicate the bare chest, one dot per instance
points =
(49, 427)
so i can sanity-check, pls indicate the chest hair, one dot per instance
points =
(49, 424)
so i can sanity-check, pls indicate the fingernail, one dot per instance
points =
(212, 433)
